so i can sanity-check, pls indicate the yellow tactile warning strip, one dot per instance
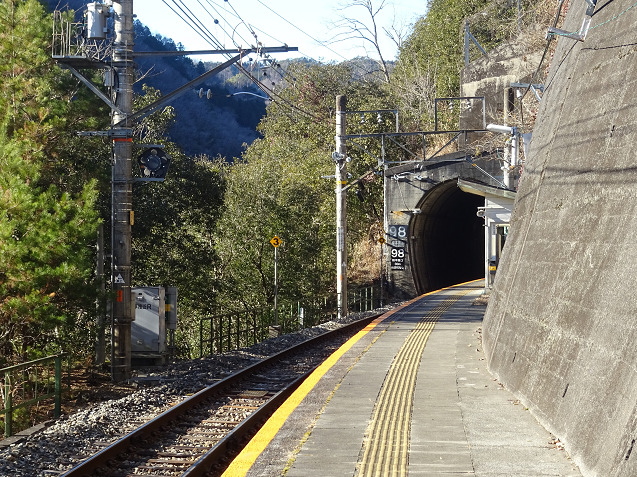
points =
(386, 448)
(242, 463)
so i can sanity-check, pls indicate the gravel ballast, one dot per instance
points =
(68, 440)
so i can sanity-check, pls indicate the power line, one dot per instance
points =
(244, 22)
(302, 31)
(231, 37)
(233, 13)
(186, 18)
(197, 25)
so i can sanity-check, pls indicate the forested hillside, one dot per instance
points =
(206, 229)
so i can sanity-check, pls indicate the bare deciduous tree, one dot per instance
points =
(350, 27)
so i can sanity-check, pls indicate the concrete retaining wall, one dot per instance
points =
(491, 75)
(561, 327)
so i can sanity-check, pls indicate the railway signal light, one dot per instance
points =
(154, 163)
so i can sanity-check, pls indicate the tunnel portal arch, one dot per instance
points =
(447, 238)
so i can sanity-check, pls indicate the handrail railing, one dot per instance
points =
(28, 383)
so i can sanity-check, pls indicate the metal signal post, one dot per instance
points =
(276, 241)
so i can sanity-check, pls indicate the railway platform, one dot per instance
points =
(409, 395)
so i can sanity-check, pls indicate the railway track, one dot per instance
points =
(201, 434)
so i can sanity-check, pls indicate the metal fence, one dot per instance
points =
(363, 299)
(28, 383)
(229, 331)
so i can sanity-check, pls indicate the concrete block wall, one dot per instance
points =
(490, 76)
(561, 326)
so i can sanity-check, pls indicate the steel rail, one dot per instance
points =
(241, 432)
(110, 453)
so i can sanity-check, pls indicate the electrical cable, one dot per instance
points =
(539, 66)
(282, 42)
(271, 93)
(244, 22)
(548, 42)
(186, 19)
(216, 22)
(214, 6)
(198, 27)
(191, 19)
(546, 49)
(600, 24)
(302, 31)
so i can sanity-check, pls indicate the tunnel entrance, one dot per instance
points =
(447, 239)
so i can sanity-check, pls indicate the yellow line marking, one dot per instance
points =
(242, 463)
(386, 447)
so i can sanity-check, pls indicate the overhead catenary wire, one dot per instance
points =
(243, 21)
(287, 106)
(274, 95)
(217, 22)
(197, 25)
(253, 29)
(267, 90)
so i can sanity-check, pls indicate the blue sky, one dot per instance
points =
(307, 25)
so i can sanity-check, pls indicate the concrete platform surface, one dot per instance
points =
(463, 422)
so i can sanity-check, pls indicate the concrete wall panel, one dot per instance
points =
(561, 326)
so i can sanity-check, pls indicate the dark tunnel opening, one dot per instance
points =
(447, 240)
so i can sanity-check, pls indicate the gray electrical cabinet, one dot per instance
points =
(148, 330)
(154, 325)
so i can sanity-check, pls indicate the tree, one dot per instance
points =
(279, 189)
(45, 256)
(47, 227)
(432, 57)
(352, 27)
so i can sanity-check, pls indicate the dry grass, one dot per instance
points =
(365, 259)
(482, 300)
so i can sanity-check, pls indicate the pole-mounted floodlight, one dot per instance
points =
(497, 128)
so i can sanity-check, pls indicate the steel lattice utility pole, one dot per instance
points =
(340, 158)
(122, 192)
(121, 75)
